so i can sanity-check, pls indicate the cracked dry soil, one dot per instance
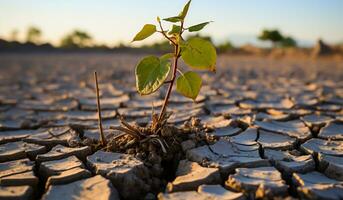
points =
(264, 128)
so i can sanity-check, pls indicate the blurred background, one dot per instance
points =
(302, 28)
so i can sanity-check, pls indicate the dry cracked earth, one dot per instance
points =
(275, 129)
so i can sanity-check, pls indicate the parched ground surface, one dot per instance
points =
(274, 130)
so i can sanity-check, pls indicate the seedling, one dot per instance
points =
(152, 71)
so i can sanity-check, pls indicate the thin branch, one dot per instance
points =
(166, 99)
(181, 29)
(164, 34)
(171, 83)
(102, 136)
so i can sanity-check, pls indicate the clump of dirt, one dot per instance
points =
(158, 145)
(157, 137)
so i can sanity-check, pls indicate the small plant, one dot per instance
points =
(152, 71)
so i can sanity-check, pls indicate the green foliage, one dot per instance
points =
(173, 19)
(167, 56)
(277, 38)
(197, 27)
(271, 35)
(189, 84)
(77, 39)
(175, 29)
(146, 31)
(184, 12)
(181, 16)
(150, 74)
(199, 54)
(288, 42)
(33, 34)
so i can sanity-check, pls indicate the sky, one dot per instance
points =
(116, 21)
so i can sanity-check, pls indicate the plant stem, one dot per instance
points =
(176, 58)
(166, 99)
(164, 34)
(102, 137)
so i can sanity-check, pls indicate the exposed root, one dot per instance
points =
(157, 133)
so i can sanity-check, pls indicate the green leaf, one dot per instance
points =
(181, 16)
(184, 12)
(146, 31)
(199, 54)
(166, 56)
(175, 29)
(151, 72)
(197, 27)
(189, 84)
(173, 19)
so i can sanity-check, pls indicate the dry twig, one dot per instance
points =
(102, 136)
